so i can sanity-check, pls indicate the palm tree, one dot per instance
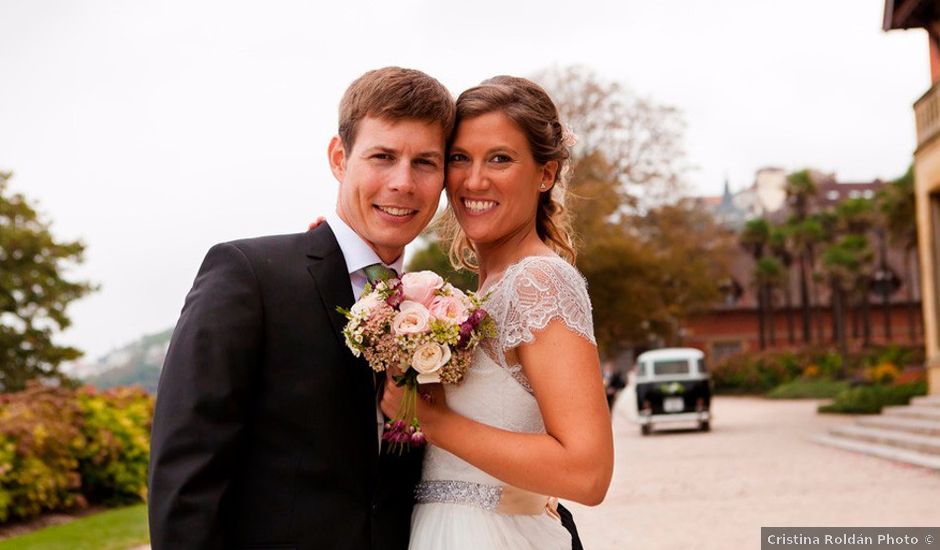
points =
(801, 189)
(856, 217)
(828, 232)
(844, 262)
(896, 203)
(769, 274)
(780, 247)
(754, 238)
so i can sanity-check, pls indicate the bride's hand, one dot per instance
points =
(431, 401)
(316, 223)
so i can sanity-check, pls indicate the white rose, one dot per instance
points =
(413, 318)
(366, 304)
(428, 360)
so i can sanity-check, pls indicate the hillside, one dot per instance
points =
(138, 363)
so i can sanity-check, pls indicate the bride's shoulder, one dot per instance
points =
(543, 288)
(546, 272)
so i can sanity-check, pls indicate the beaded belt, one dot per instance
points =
(502, 499)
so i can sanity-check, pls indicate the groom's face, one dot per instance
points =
(390, 181)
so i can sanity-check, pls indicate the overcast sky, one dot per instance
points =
(152, 130)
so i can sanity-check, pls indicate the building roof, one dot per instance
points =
(830, 192)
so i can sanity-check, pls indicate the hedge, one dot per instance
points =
(63, 448)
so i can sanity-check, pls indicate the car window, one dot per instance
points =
(701, 366)
(661, 368)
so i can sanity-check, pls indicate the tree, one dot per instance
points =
(639, 138)
(842, 263)
(896, 204)
(754, 238)
(801, 189)
(34, 292)
(856, 217)
(780, 247)
(769, 274)
(434, 258)
(692, 254)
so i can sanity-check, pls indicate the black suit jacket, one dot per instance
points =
(264, 433)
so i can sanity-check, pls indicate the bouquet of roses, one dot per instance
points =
(418, 329)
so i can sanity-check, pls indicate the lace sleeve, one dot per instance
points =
(546, 288)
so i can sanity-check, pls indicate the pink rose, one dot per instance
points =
(420, 286)
(413, 318)
(450, 309)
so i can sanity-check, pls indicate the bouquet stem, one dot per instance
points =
(404, 431)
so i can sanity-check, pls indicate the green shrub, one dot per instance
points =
(39, 442)
(116, 427)
(754, 373)
(808, 389)
(870, 399)
(60, 448)
(761, 372)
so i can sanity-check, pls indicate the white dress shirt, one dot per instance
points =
(359, 255)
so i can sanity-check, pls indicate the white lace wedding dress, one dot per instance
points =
(457, 505)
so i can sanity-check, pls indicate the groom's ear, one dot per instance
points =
(336, 153)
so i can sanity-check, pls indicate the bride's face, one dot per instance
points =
(493, 180)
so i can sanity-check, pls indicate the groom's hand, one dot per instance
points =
(316, 223)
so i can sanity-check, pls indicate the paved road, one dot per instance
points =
(757, 467)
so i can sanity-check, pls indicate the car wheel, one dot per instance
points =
(646, 429)
(705, 426)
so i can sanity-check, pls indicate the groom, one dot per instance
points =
(266, 432)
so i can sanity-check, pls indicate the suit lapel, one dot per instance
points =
(328, 269)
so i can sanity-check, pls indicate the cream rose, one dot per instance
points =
(365, 304)
(450, 309)
(420, 286)
(413, 318)
(428, 360)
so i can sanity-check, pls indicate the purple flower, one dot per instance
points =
(477, 317)
(466, 331)
(418, 439)
(395, 299)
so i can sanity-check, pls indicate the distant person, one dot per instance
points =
(616, 382)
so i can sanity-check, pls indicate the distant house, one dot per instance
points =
(925, 14)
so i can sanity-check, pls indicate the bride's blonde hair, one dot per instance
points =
(534, 112)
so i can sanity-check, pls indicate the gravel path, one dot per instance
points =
(757, 467)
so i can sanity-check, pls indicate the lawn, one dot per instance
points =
(117, 529)
(808, 389)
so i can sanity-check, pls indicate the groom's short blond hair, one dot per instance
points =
(393, 94)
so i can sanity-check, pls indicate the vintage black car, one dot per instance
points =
(673, 386)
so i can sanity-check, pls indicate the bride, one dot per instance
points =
(529, 423)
